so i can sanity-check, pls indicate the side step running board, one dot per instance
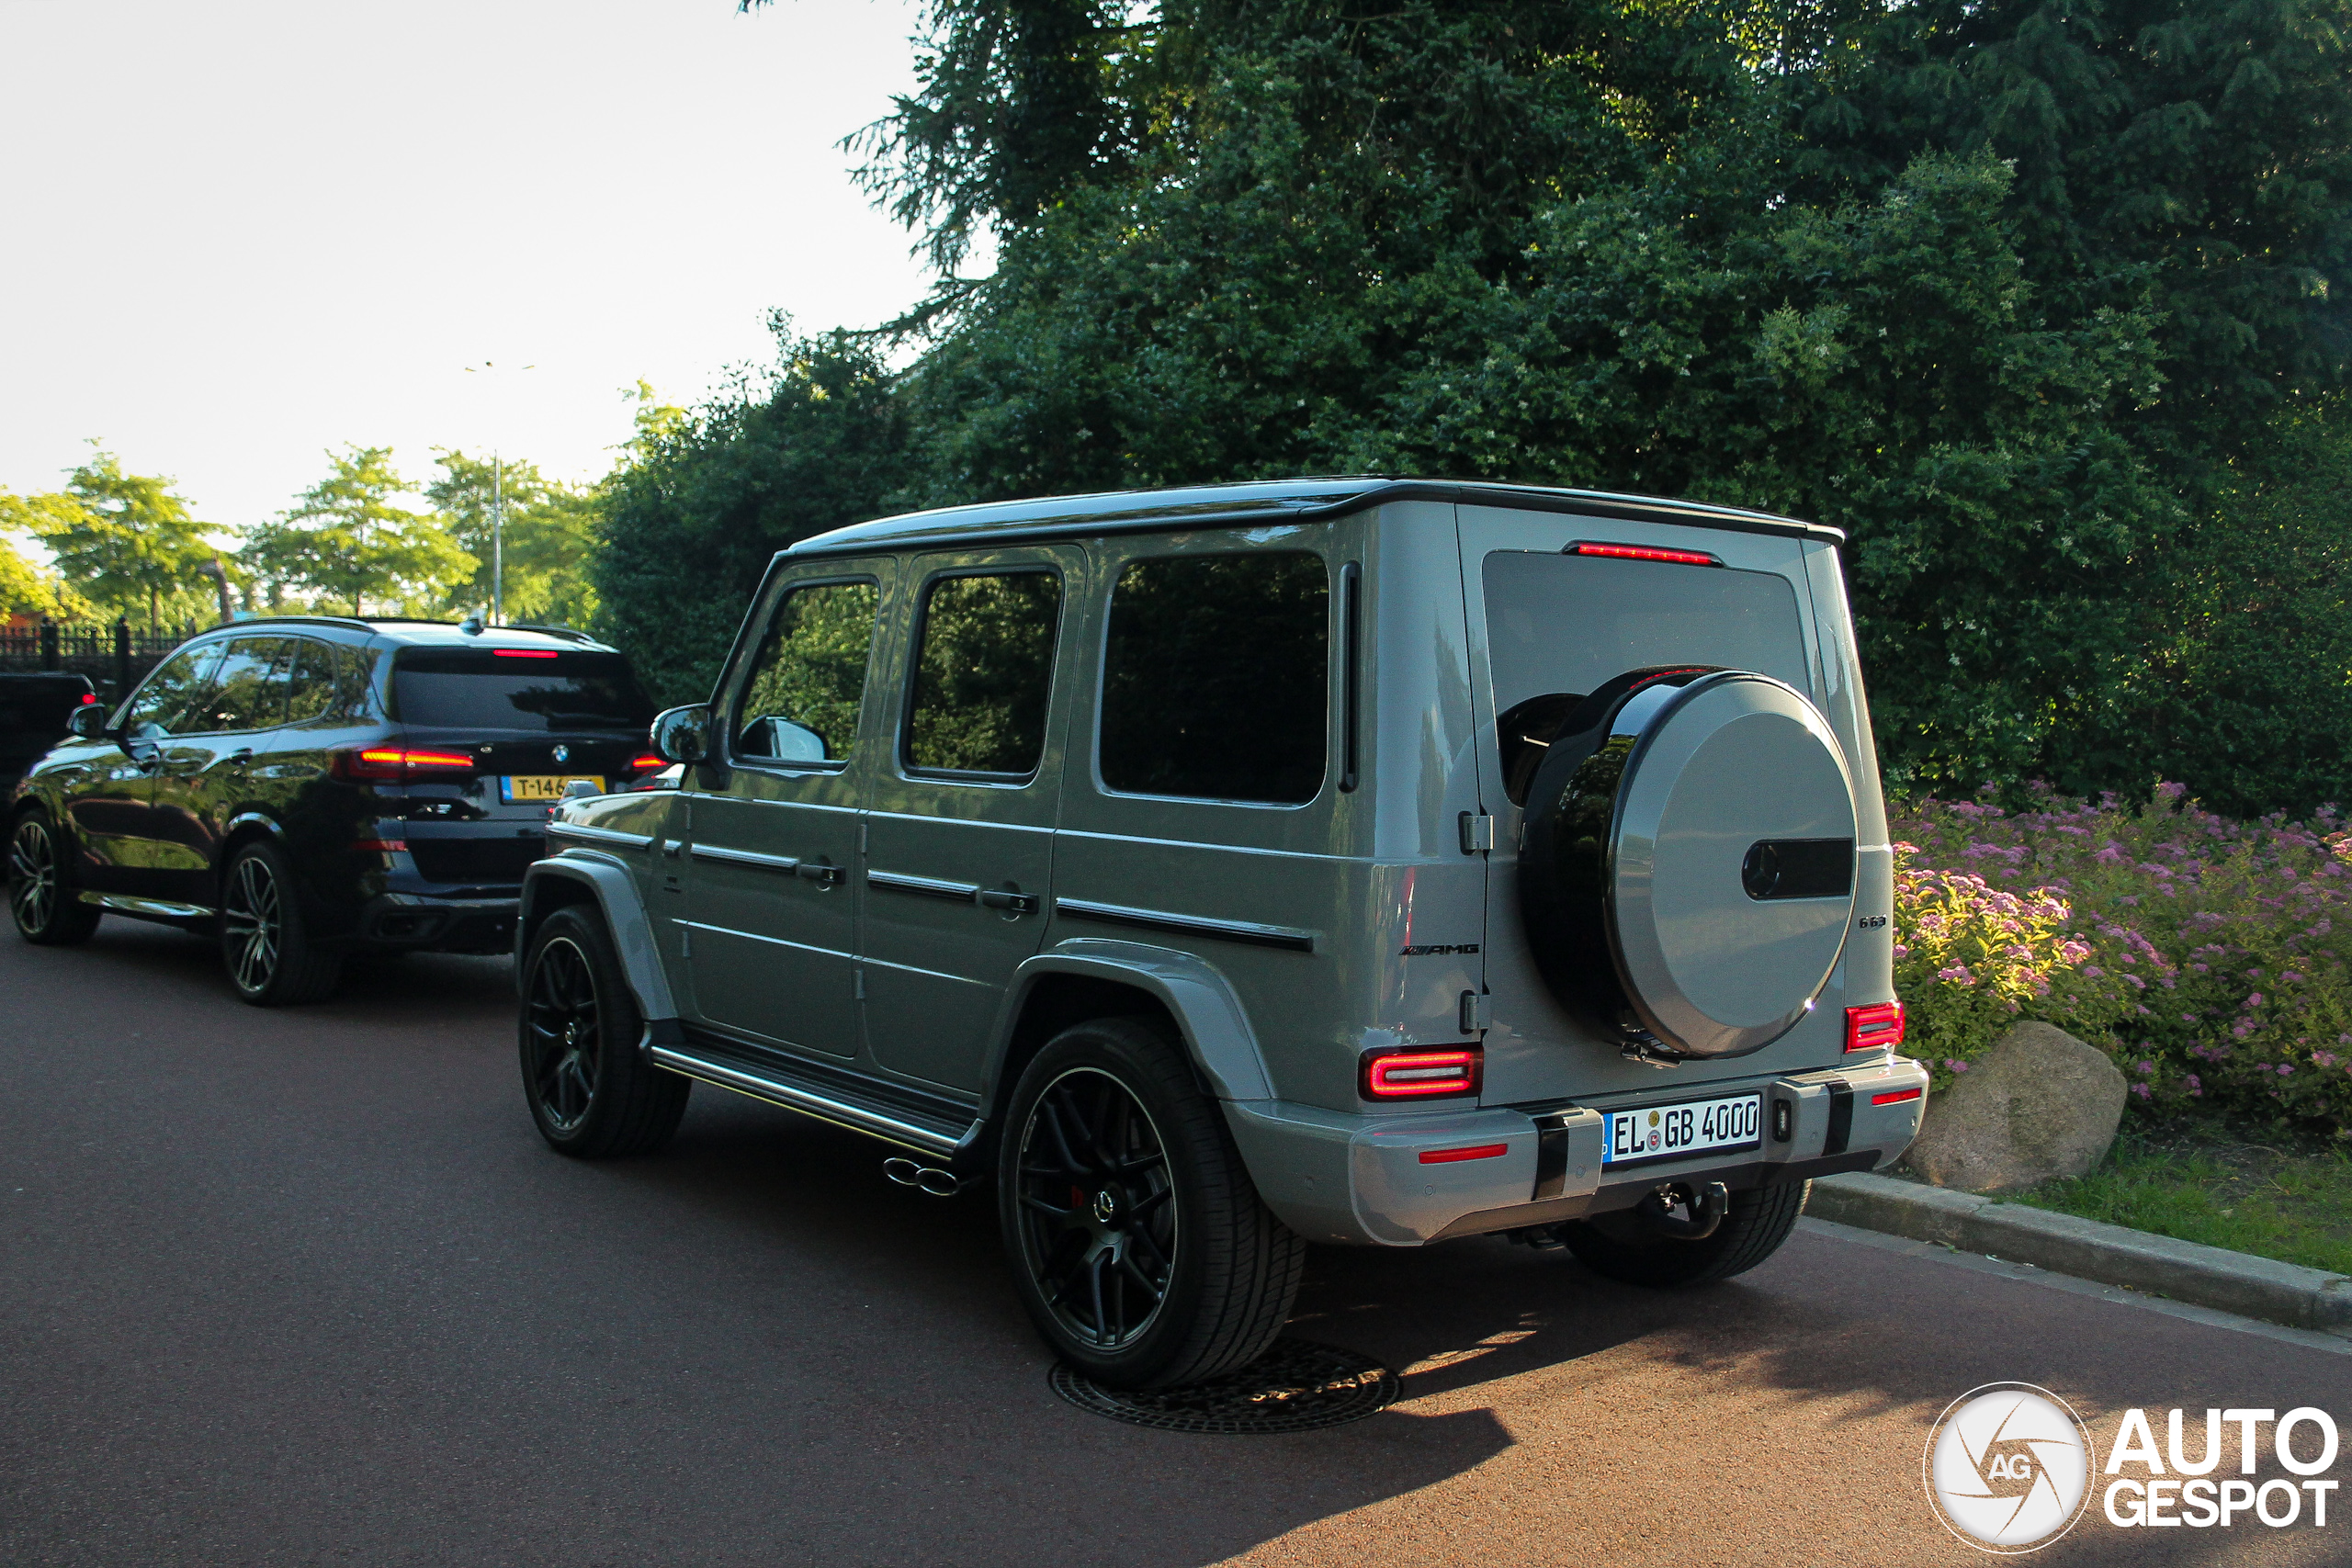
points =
(872, 1120)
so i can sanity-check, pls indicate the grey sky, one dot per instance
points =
(240, 233)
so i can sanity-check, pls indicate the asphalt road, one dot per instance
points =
(306, 1288)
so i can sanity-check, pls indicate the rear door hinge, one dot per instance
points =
(1477, 832)
(1476, 1016)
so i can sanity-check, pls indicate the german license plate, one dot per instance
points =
(542, 786)
(1678, 1131)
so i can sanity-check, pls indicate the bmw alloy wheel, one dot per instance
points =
(32, 874)
(255, 916)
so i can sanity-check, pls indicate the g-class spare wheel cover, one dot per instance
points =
(1687, 874)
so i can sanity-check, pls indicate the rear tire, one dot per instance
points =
(1138, 1242)
(1615, 1245)
(591, 1093)
(47, 906)
(265, 933)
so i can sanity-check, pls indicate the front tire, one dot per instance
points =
(1138, 1242)
(591, 1093)
(1615, 1245)
(264, 934)
(41, 897)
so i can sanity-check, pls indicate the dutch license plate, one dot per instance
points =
(542, 786)
(1675, 1132)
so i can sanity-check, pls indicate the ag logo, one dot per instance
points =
(2008, 1467)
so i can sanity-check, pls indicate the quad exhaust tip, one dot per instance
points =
(922, 1178)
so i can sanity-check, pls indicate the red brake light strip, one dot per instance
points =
(1896, 1097)
(523, 653)
(1643, 552)
(1479, 1151)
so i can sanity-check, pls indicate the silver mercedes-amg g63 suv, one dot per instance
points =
(1371, 861)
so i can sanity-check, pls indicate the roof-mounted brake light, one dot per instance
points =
(1642, 552)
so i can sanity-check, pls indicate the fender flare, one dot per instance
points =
(614, 888)
(1215, 1028)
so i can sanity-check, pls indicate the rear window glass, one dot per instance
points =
(478, 688)
(1214, 678)
(1559, 625)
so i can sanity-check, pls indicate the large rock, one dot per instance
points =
(2040, 1105)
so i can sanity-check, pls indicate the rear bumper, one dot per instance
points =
(1362, 1179)
(422, 922)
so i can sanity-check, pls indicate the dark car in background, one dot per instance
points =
(34, 708)
(307, 788)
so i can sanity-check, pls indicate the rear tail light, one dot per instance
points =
(1896, 1096)
(522, 653)
(1420, 1075)
(397, 762)
(1475, 1151)
(380, 846)
(651, 762)
(89, 699)
(1878, 1027)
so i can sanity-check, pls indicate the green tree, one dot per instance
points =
(26, 588)
(346, 541)
(125, 543)
(550, 535)
(703, 500)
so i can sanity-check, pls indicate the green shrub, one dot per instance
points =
(2201, 951)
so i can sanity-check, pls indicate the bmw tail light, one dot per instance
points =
(395, 763)
(1878, 1027)
(1420, 1075)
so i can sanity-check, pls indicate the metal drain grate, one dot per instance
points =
(1294, 1387)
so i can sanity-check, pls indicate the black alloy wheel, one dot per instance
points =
(591, 1093)
(40, 894)
(265, 940)
(560, 1036)
(1099, 1223)
(1138, 1244)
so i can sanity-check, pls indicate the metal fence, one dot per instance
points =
(114, 658)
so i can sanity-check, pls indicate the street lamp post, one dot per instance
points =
(497, 540)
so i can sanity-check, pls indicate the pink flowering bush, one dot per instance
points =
(2203, 953)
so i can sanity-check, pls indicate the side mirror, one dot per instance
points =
(683, 735)
(87, 722)
(782, 740)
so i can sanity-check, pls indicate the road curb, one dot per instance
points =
(2112, 1255)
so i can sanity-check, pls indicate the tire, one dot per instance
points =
(1758, 1222)
(265, 933)
(1138, 1242)
(592, 1094)
(42, 895)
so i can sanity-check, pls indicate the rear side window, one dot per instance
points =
(1213, 682)
(248, 686)
(329, 684)
(490, 688)
(800, 702)
(983, 673)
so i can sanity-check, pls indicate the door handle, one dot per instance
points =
(924, 886)
(828, 875)
(1013, 903)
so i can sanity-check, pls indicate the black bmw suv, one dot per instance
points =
(307, 787)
